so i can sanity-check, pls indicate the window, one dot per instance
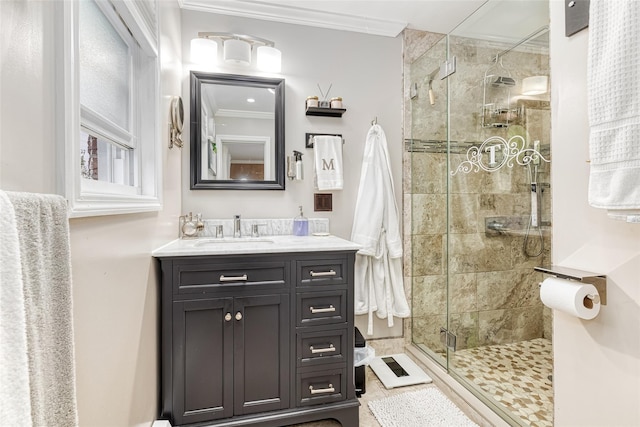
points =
(109, 107)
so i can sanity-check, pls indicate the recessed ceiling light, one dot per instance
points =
(251, 100)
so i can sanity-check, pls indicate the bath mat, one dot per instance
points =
(423, 408)
(398, 370)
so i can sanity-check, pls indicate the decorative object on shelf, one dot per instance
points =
(323, 107)
(500, 153)
(324, 103)
(177, 121)
(236, 50)
(312, 101)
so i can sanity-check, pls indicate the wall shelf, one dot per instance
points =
(325, 112)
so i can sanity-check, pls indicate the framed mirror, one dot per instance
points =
(237, 132)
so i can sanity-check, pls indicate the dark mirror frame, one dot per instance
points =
(200, 78)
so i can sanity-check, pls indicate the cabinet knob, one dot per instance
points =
(227, 317)
(238, 316)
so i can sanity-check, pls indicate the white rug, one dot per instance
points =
(423, 408)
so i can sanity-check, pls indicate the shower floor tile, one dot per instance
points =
(516, 375)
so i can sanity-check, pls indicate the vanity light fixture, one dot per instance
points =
(204, 51)
(236, 50)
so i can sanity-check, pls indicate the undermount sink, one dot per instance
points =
(232, 240)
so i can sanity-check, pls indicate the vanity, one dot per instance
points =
(257, 331)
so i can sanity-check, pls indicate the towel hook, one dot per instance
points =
(374, 121)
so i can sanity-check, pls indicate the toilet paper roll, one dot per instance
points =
(570, 297)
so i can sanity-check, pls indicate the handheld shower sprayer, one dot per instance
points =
(535, 217)
(432, 99)
(430, 77)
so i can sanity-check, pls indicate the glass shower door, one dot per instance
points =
(498, 214)
(478, 194)
(426, 199)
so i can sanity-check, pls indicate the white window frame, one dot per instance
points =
(88, 197)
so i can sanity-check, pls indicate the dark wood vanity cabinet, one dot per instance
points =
(260, 340)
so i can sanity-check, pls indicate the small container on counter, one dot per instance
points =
(336, 102)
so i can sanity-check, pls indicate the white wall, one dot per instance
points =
(115, 283)
(365, 70)
(596, 363)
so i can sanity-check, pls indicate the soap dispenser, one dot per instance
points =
(300, 225)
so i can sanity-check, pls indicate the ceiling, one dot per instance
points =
(380, 17)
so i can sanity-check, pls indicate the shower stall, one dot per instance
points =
(477, 202)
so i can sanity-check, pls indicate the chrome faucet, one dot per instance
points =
(236, 226)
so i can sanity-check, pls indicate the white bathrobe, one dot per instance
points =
(378, 269)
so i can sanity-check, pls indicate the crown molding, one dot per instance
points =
(296, 15)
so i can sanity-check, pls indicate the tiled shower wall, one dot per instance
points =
(494, 293)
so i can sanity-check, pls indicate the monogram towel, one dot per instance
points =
(327, 152)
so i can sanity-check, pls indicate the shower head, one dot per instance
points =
(503, 81)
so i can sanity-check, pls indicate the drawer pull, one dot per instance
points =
(329, 389)
(322, 350)
(242, 278)
(329, 309)
(322, 273)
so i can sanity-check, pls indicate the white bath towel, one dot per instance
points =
(613, 77)
(15, 401)
(43, 232)
(327, 152)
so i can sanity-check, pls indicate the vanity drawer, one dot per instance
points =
(321, 272)
(203, 277)
(314, 348)
(321, 308)
(321, 387)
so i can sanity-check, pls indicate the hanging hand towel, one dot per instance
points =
(327, 152)
(613, 77)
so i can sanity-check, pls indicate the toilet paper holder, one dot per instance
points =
(597, 280)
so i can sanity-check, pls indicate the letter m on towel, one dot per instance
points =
(328, 166)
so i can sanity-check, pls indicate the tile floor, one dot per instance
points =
(375, 391)
(516, 375)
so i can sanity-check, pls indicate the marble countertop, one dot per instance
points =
(253, 245)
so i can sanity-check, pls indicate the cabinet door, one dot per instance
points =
(203, 360)
(261, 357)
